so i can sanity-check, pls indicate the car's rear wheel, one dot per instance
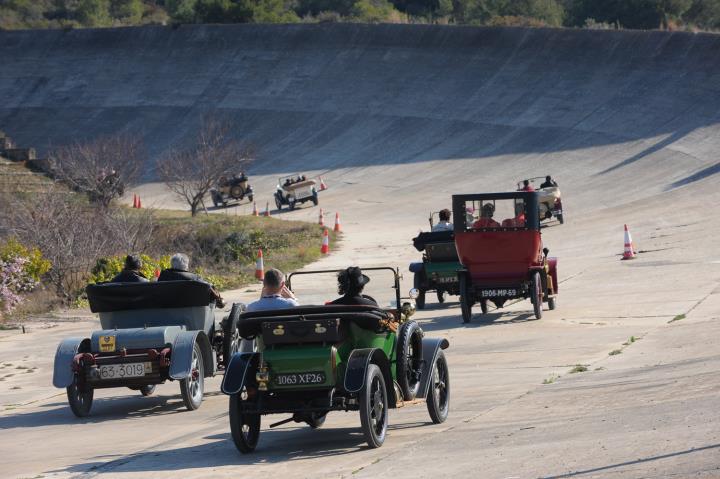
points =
(438, 398)
(278, 202)
(292, 202)
(374, 407)
(536, 294)
(409, 359)
(231, 335)
(441, 296)
(315, 199)
(192, 387)
(465, 301)
(551, 303)
(484, 306)
(420, 300)
(250, 198)
(244, 427)
(418, 282)
(80, 397)
(560, 218)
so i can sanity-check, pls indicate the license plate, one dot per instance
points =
(499, 293)
(299, 379)
(128, 370)
(447, 279)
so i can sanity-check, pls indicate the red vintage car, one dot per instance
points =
(497, 236)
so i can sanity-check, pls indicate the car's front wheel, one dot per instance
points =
(244, 427)
(409, 359)
(374, 407)
(536, 294)
(278, 202)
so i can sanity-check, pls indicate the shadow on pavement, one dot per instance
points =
(478, 320)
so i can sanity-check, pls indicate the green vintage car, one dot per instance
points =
(439, 266)
(311, 360)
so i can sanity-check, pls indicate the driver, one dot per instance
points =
(527, 186)
(549, 182)
(351, 282)
(444, 223)
(274, 295)
(179, 271)
(485, 220)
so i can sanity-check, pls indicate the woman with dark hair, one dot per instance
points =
(351, 282)
(131, 272)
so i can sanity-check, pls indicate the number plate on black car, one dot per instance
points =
(299, 379)
(499, 293)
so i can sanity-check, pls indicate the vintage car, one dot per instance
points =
(502, 259)
(151, 333)
(295, 189)
(234, 188)
(549, 199)
(439, 266)
(311, 360)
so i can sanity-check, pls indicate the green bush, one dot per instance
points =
(35, 267)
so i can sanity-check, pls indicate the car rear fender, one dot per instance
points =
(430, 348)
(66, 351)
(417, 266)
(357, 365)
(181, 357)
(552, 271)
(238, 371)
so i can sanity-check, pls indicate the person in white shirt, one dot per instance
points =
(444, 223)
(275, 295)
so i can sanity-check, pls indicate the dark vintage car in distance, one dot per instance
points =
(501, 251)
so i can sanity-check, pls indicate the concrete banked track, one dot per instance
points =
(397, 118)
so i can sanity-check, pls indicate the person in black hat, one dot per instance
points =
(131, 272)
(351, 282)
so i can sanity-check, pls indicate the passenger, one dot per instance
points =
(274, 295)
(179, 271)
(131, 272)
(527, 186)
(444, 223)
(351, 282)
(302, 178)
(486, 214)
(549, 182)
(287, 182)
(518, 221)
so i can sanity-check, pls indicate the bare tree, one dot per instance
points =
(101, 168)
(191, 172)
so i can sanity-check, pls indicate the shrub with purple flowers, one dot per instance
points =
(14, 280)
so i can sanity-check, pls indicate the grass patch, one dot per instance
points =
(631, 340)
(677, 318)
(615, 352)
(579, 368)
(551, 379)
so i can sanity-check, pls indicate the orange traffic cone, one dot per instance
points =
(629, 251)
(337, 222)
(325, 248)
(267, 209)
(323, 186)
(139, 203)
(135, 201)
(260, 267)
(255, 211)
(321, 218)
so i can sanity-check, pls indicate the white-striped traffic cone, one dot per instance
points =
(267, 209)
(323, 186)
(255, 211)
(629, 250)
(260, 266)
(337, 223)
(325, 248)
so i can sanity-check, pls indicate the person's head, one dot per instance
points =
(351, 281)
(133, 262)
(274, 281)
(444, 215)
(526, 182)
(548, 178)
(488, 210)
(180, 262)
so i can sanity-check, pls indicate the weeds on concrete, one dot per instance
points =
(551, 379)
(677, 318)
(615, 352)
(579, 368)
(630, 341)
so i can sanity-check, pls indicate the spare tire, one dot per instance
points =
(409, 359)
